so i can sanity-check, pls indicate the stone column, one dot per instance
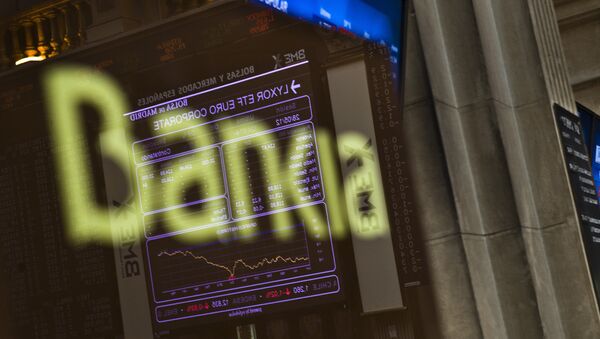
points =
(527, 69)
(81, 24)
(55, 38)
(16, 42)
(489, 223)
(30, 46)
(450, 290)
(67, 39)
(42, 45)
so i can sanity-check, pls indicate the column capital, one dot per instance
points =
(14, 28)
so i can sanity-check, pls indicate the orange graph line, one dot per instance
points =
(232, 270)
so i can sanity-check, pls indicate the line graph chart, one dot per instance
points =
(240, 262)
(234, 261)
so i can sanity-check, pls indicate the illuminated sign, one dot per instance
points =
(377, 20)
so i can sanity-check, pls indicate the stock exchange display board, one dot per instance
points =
(234, 139)
(233, 179)
(583, 187)
(209, 133)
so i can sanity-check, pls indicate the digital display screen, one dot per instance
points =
(226, 202)
(582, 180)
(377, 20)
(209, 132)
(590, 124)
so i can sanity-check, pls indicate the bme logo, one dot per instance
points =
(289, 58)
(130, 260)
(362, 186)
